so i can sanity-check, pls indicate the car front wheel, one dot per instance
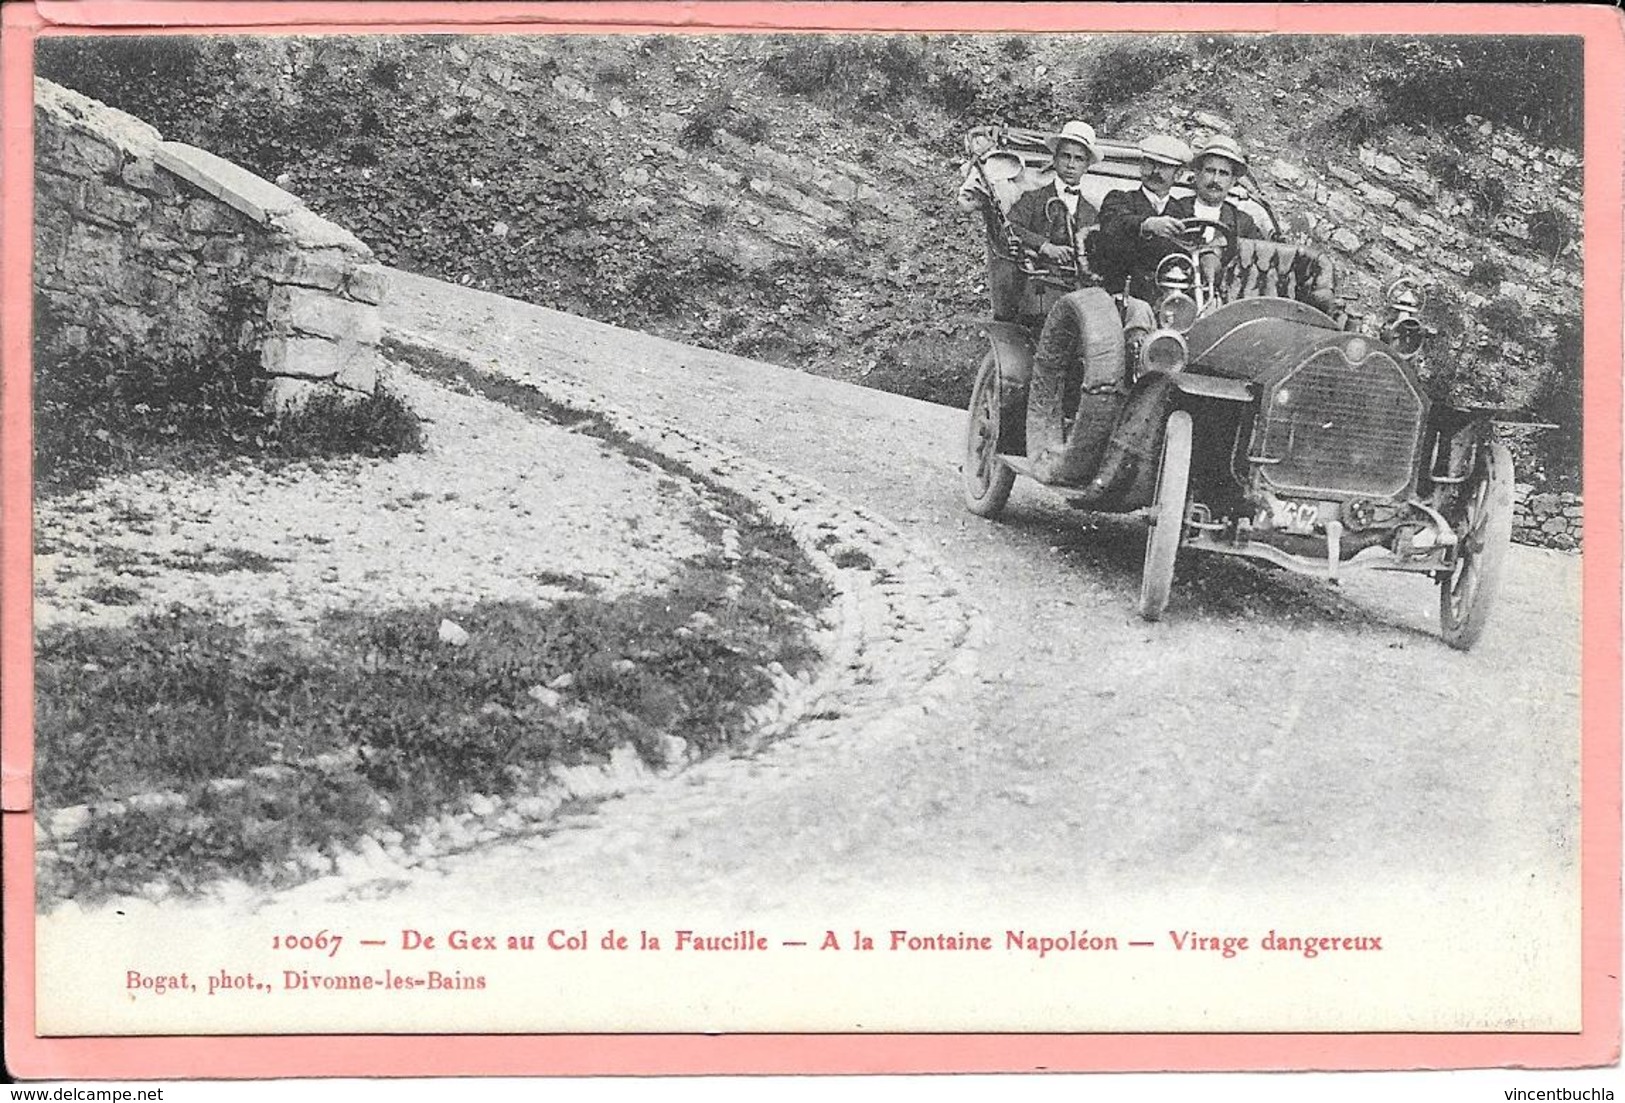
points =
(985, 478)
(1467, 593)
(1167, 516)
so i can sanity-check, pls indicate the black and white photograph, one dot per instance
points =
(807, 532)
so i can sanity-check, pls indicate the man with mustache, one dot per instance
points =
(1218, 165)
(1135, 229)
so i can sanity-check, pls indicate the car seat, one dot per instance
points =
(1269, 268)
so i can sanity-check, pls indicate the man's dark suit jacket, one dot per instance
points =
(1037, 221)
(1122, 254)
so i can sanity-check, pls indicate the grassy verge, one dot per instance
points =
(98, 413)
(374, 724)
(406, 725)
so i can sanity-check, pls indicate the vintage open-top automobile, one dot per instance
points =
(1259, 418)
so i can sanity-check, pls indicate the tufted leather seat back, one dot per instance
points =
(1268, 268)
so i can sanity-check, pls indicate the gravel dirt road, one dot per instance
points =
(1274, 752)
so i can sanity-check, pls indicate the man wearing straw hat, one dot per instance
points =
(1218, 165)
(1047, 219)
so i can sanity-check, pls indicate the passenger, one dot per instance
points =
(1135, 229)
(1048, 219)
(1218, 165)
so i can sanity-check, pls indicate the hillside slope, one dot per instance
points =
(789, 199)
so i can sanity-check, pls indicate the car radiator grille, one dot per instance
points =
(1342, 428)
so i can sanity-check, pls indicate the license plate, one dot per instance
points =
(1296, 517)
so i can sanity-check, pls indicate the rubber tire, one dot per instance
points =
(1167, 516)
(1467, 594)
(985, 479)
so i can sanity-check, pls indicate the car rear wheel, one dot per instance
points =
(1467, 593)
(985, 478)
(1167, 516)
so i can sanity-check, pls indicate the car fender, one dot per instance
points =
(1013, 352)
(1210, 386)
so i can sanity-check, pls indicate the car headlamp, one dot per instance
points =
(1356, 349)
(1176, 273)
(1402, 330)
(1177, 311)
(1163, 351)
(1405, 296)
(1404, 335)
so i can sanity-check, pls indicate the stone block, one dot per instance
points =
(96, 251)
(1544, 503)
(231, 184)
(224, 252)
(83, 155)
(126, 326)
(368, 284)
(143, 175)
(308, 311)
(1387, 165)
(1216, 123)
(1287, 173)
(206, 216)
(1383, 260)
(1406, 241)
(360, 371)
(310, 231)
(1345, 239)
(53, 191)
(1553, 525)
(324, 270)
(1344, 205)
(303, 357)
(1347, 175)
(1376, 194)
(114, 203)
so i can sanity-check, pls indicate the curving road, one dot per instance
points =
(1276, 753)
(1272, 739)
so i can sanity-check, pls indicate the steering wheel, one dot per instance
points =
(1192, 234)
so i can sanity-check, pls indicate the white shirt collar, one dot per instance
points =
(1159, 203)
(1208, 210)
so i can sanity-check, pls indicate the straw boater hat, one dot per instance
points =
(1081, 133)
(1222, 146)
(1165, 150)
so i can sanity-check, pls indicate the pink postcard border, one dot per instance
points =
(569, 1055)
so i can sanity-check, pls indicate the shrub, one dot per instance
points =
(1449, 167)
(385, 73)
(709, 117)
(957, 90)
(1530, 82)
(100, 411)
(1486, 272)
(750, 126)
(1358, 125)
(1505, 318)
(1561, 401)
(1128, 71)
(1551, 230)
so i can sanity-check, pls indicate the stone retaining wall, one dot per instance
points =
(1548, 520)
(139, 242)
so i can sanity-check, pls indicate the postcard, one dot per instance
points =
(969, 538)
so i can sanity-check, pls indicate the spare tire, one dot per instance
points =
(1079, 350)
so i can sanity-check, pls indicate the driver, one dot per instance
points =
(1218, 165)
(1135, 229)
(1047, 219)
